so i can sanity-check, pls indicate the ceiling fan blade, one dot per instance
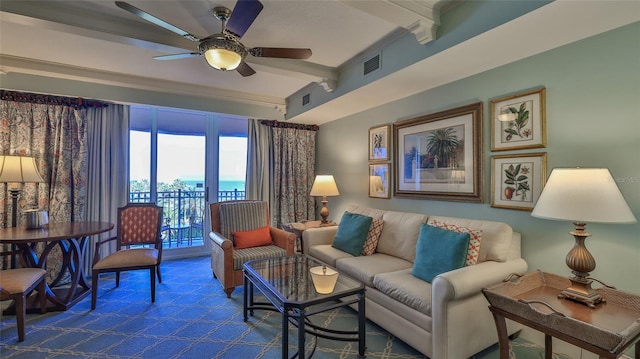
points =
(242, 16)
(245, 70)
(186, 55)
(281, 52)
(156, 21)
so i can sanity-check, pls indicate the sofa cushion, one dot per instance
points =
(327, 253)
(405, 288)
(365, 268)
(352, 232)
(253, 238)
(373, 236)
(496, 236)
(475, 239)
(439, 251)
(400, 234)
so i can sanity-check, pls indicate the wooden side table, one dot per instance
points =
(298, 228)
(607, 330)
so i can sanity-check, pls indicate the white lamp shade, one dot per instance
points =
(19, 169)
(324, 185)
(585, 195)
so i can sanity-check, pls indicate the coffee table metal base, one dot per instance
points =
(298, 315)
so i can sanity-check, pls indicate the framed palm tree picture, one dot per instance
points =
(439, 156)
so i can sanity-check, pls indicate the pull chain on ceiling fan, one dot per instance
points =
(224, 51)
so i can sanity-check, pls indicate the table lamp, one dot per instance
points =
(15, 170)
(324, 185)
(582, 195)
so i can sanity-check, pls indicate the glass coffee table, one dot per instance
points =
(286, 283)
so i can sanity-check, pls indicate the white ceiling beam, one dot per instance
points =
(67, 72)
(420, 17)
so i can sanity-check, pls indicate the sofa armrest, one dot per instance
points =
(317, 236)
(283, 239)
(467, 281)
(457, 295)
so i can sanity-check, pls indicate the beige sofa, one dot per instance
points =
(447, 319)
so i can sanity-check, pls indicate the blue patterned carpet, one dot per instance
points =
(192, 318)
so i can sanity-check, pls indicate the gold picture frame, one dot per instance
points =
(519, 121)
(517, 180)
(380, 180)
(439, 156)
(380, 143)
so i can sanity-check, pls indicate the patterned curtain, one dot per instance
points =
(293, 168)
(53, 130)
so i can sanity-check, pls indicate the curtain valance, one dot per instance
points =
(297, 126)
(73, 102)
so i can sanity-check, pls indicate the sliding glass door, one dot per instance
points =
(180, 159)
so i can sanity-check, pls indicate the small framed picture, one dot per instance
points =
(517, 180)
(519, 121)
(379, 143)
(379, 180)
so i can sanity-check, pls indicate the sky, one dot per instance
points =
(183, 157)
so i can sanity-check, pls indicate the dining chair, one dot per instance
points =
(17, 285)
(240, 232)
(138, 246)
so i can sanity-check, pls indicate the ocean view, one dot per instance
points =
(224, 185)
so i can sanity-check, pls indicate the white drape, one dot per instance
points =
(108, 169)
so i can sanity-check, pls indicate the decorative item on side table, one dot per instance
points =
(14, 170)
(582, 195)
(379, 143)
(324, 185)
(518, 121)
(439, 156)
(379, 180)
(517, 180)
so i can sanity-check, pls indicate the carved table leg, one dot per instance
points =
(503, 337)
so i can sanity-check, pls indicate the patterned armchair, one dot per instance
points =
(138, 246)
(238, 230)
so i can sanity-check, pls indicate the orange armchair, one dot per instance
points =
(243, 215)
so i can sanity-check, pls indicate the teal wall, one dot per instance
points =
(593, 120)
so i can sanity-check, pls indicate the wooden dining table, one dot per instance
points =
(71, 238)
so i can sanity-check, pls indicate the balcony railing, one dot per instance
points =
(184, 212)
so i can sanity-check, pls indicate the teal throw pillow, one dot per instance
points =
(439, 251)
(352, 232)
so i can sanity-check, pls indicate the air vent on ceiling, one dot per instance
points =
(371, 65)
(306, 99)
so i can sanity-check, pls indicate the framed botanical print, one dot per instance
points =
(519, 121)
(379, 180)
(379, 142)
(439, 156)
(517, 180)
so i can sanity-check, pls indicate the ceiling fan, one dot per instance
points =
(224, 51)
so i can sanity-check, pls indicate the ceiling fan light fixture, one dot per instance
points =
(222, 53)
